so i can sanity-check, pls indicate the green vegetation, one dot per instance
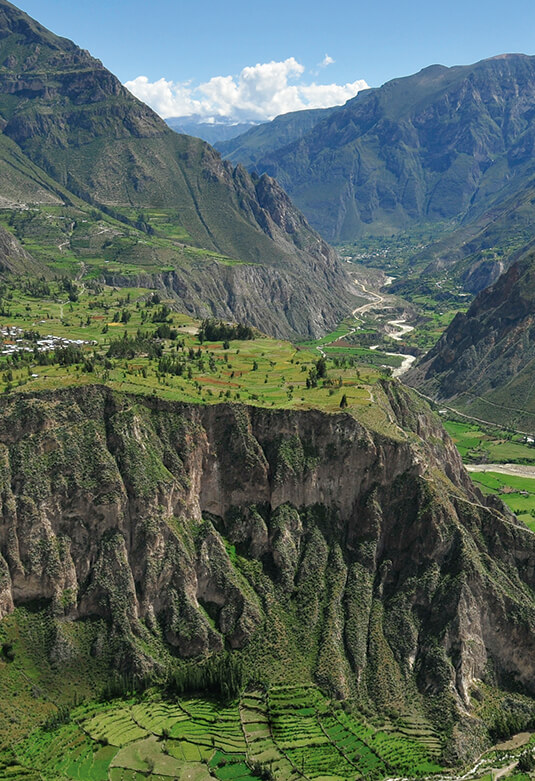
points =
(518, 493)
(484, 363)
(92, 176)
(433, 230)
(479, 445)
(131, 339)
(62, 237)
(296, 594)
(285, 733)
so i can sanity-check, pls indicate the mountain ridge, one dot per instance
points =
(154, 479)
(249, 147)
(212, 132)
(483, 361)
(82, 132)
(444, 145)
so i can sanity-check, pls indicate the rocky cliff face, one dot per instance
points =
(369, 560)
(62, 112)
(442, 144)
(305, 296)
(483, 360)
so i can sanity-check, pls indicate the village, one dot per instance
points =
(15, 340)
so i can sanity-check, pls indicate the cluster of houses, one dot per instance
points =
(13, 341)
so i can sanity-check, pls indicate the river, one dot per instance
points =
(408, 360)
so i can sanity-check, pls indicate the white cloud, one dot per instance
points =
(165, 97)
(259, 92)
(325, 95)
(326, 61)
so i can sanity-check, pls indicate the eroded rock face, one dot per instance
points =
(484, 359)
(64, 114)
(373, 556)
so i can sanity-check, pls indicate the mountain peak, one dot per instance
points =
(509, 56)
(14, 22)
(64, 112)
(436, 145)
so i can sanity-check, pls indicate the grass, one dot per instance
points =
(80, 240)
(517, 492)
(479, 445)
(263, 371)
(291, 731)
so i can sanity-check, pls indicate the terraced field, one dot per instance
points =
(287, 733)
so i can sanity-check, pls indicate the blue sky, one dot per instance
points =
(178, 46)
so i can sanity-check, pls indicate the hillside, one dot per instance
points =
(71, 131)
(483, 363)
(400, 585)
(14, 258)
(251, 146)
(443, 145)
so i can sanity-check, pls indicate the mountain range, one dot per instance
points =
(153, 527)
(218, 130)
(449, 147)
(71, 132)
(250, 147)
(483, 363)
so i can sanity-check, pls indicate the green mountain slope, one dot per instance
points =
(169, 530)
(71, 126)
(24, 182)
(14, 258)
(484, 361)
(251, 146)
(443, 144)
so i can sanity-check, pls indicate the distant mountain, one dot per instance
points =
(478, 250)
(446, 144)
(208, 131)
(72, 130)
(251, 146)
(483, 363)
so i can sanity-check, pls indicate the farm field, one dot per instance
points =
(517, 492)
(480, 445)
(334, 345)
(494, 446)
(131, 340)
(287, 733)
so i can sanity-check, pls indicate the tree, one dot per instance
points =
(321, 367)
(526, 761)
(343, 402)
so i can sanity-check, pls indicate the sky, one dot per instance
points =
(244, 59)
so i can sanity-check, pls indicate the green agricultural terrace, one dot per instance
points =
(131, 340)
(285, 732)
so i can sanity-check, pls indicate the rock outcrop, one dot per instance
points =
(483, 361)
(371, 560)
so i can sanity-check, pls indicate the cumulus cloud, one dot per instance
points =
(167, 98)
(326, 61)
(260, 92)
